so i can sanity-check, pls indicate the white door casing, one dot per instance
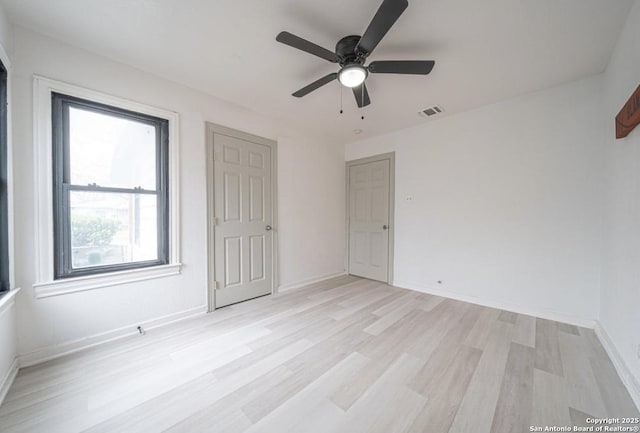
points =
(243, 221)
(369, 207)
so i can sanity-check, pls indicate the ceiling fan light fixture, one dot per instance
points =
(352, 75)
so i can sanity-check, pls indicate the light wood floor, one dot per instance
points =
(347, 355)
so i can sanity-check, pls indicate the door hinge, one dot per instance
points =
(216, 221)
(216, 286)
(215, 156)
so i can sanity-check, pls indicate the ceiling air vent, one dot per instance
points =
(431, 111)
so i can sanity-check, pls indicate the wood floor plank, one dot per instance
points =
(582, 387)
(615, 396)
(170, 408)
(295, 332)
(397, 337)
(216, 415)
(429, 302)
(479, 334)
(400, 412)
(592, 343)
(514, 406)
(378, 298)
(383, 350)
(388, 316)
(478, 405)
(377, 327)
(306, 368)
(435, 325)
(355, 387)
(232, 422)
(508, 316)
(525, 330)
(446, 393)
(337, 290)
(550, 400)
(400, 301)
(428, 376)
(579, 418)
(569, 329)
(352, 289)
(300, 411)
(377, 407)
(548, 347)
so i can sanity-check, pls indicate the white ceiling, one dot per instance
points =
(485, 51)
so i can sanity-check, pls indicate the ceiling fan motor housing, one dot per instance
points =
(346, 51)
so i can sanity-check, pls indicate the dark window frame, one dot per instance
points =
(5, 272)
(62, 187)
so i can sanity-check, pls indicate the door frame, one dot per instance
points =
(391, 157)
(211, 129)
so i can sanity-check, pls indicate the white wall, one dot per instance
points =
(620, 303)
(8, 347)
(5, 32)
(304, 161)
(311, 210)
(506, 205)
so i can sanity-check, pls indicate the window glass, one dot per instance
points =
(111, 151)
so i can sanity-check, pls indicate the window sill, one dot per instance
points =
(7, 298)
(91, 282)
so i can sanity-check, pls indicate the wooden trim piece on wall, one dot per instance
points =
(629, 116)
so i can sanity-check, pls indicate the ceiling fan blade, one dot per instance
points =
(362, 95)
(315, 85)
(387, 15)
(306, 46)
(420, 67)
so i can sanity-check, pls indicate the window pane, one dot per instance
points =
(111, 151)
(108, 228)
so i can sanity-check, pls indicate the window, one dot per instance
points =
(110, 188)
(148, 240)
(4, 190)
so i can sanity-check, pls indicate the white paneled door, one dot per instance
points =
(243, 234)
(369, 219)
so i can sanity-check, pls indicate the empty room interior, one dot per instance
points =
(299, 216)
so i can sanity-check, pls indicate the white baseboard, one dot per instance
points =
(52, 352)
(8, 379)
(630, 382)
(542, 313)
(302, 283)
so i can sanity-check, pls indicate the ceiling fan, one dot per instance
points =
(352, 51)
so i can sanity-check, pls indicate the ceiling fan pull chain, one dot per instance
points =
(340, 86)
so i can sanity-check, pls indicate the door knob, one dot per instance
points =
(384, 227)
(267, 228)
